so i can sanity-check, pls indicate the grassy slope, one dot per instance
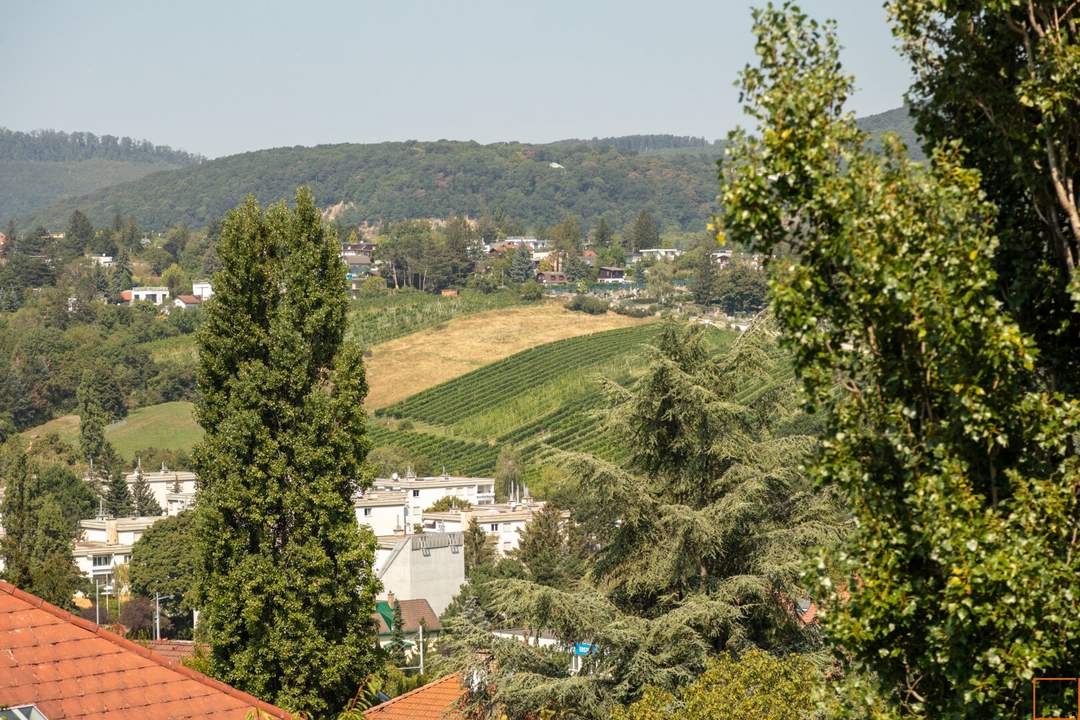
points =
(168, 425)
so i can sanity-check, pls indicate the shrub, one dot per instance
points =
(531, 291)
(588, 304)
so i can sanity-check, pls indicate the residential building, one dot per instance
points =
(358, 264)
(104, 543)
(428, 565)
(551, 277)
(660, 253)
(202, 290)
(502, 522)
(413, 613)
(528, 241)
(438, 700)
(612, 274)
(186, 302)
(155, 295)
(422, 492)
(590, 258)
(384, 511)
(63, 667)
(721, 258)
(105, 261)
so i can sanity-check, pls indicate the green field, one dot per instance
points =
(170, 426)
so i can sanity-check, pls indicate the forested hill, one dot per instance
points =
(41, 167)
(673, 177)
(389, 181)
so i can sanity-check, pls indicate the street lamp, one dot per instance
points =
(157, 614)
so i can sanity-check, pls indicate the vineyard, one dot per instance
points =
(545, 401)
(384, 317)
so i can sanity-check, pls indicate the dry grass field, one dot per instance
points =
(405, 366)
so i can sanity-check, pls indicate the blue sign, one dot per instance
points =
(582, 648)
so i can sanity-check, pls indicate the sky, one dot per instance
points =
(223, 77)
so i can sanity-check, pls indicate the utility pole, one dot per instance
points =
(97, 601)
(421, 648)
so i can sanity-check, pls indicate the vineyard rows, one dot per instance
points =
(489, 386)
(458, 456)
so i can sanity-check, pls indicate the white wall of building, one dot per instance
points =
(429, 566)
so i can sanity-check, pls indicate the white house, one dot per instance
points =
(503, 522)
(429, 566)
(661, 253)
(384, 511)
(105, 261)
(202, 290)
(422, 492)
(186, 302)
(156, 295)
(104, 543)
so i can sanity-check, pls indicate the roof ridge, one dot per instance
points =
(140, 650)
(414, 691)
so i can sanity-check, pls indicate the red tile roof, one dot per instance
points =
(189, 299)
(173, 649)
(125, 295)
(429, 702)
(412, 612)
(72, 668)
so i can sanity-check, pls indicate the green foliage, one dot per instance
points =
(509, 472)
(143, 497)
(1003, 78)
(700, 541)
(588, 304)
(448, 503)
(741, 288)
(38, 531)
(283, 576)
(531, 291)
(947, 430)
(548, 551)
(385, 460)
(401, 181)
(92, 420)
(118, 500)
(643, 233)
(477, 548)
(754, 685)
(396, 647)
(521, 268)
(163, 562)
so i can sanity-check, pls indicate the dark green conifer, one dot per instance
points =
(143, 497)
(118, 499)
(284, 574)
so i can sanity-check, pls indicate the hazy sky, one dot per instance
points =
(224, 77)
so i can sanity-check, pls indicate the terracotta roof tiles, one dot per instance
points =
(434, 701)
(71, 668)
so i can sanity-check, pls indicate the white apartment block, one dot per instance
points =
(429, 566)
(421, 493)
(174, 490)
(155, 295)
(105, 543)
(503, 522)
(202, 290)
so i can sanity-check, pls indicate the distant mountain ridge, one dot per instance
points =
(672, 176)
(41, 167)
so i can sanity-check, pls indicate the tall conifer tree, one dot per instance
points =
(284, 575)
(143, 497)
(118, 499)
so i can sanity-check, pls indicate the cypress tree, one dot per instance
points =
(92, 419)
(143, 497)
(16, 544)
(477, 549)
(284, 574)
(54, 573)
(704, 287)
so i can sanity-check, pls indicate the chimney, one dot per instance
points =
(112, 535)
(390, 598)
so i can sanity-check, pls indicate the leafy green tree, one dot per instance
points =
(643, 233)
(118, 499)
(1002, 78)
(284, 574)
(509, 472)
(521, 268)
(142, 496)
(76, 497)
(163, 563)
(566, 236)
(121, 275)
(741, 288)
(954, 448)
(176, 280)
(478, 550)
(37, 542)
(659, 282)
(386, 460)
(531, 291)
(704, 285)
(448, 503)
(754, 685)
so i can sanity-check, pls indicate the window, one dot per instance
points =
(494, 527)
(416, 493)
(367, 512)
(102, 561)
